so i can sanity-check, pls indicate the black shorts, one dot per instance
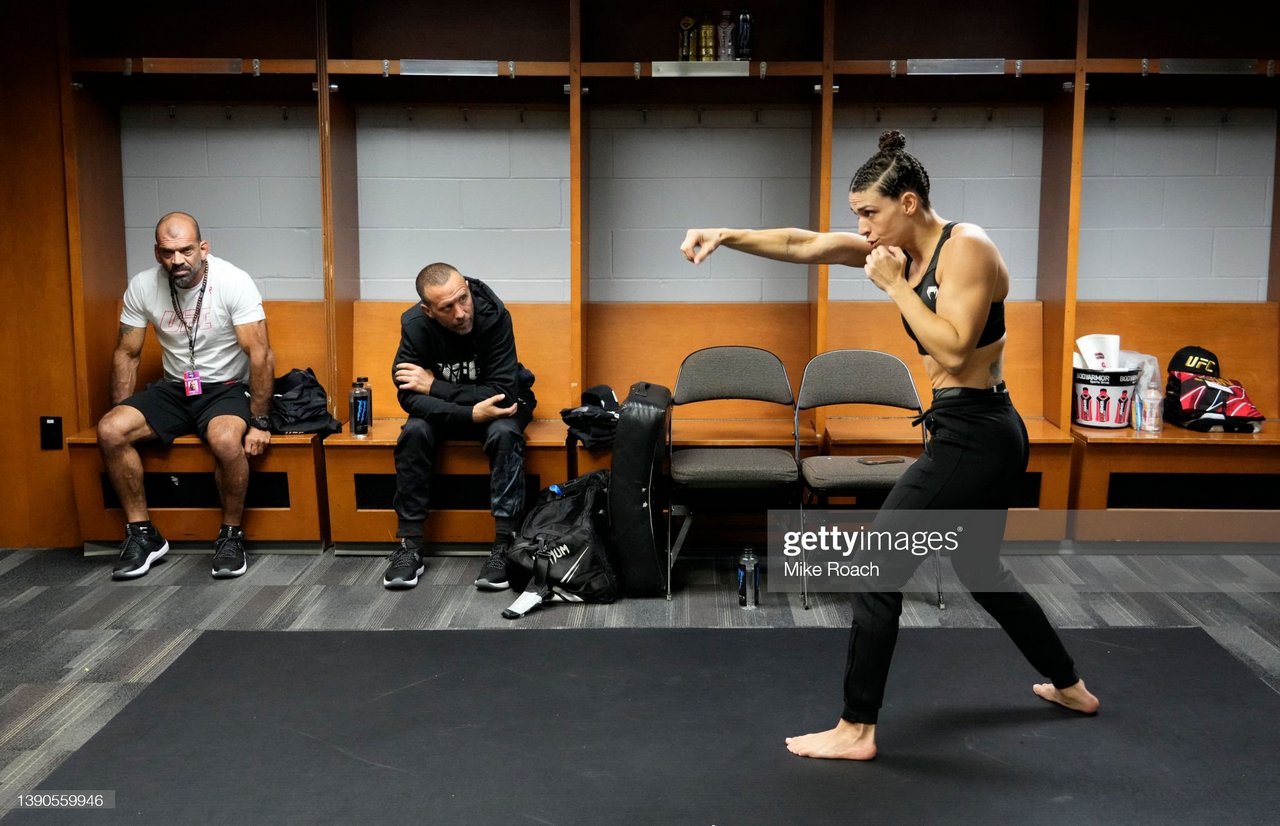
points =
(172, 413)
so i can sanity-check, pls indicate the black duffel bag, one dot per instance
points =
(561, 552)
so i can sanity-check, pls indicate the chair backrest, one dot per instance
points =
(857, 377)
(732, 373)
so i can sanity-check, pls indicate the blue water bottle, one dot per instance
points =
(361, 413)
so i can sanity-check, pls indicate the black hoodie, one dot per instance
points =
(467, 369)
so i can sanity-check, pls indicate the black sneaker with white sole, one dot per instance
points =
(405, 566)
(229, 556)
(141, 547)
(493, 575)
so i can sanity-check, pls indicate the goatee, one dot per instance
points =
(188, 279)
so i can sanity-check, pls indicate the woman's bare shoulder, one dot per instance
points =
(970, 240)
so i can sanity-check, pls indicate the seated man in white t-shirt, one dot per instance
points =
(218, 376)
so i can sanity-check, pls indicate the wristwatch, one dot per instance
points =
(260, 422)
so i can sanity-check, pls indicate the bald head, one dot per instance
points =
(435, 275)
(177, 225)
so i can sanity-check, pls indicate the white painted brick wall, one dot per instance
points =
(1176, 205)
(655, 174)
(484, 190)
(983, 165)
(249, 174)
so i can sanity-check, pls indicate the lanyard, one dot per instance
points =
(195, 322)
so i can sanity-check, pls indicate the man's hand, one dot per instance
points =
(699, 243)
(256, 441)
(413, 377)
(488, 410)
(887, 268)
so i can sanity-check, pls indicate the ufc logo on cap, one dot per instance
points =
(1201, 363)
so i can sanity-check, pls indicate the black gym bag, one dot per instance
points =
(561, 551)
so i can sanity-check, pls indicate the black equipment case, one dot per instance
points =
(638, 450)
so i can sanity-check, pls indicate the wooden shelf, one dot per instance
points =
(1266, 67)
(1171, 435)
(758, 69)
(191, 66)
(898, 68)
(502, 68)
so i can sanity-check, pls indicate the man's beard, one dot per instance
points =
(190, 279)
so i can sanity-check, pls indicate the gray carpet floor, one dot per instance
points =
(76, 647)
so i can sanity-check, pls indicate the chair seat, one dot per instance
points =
(752, 467)
(833, 473)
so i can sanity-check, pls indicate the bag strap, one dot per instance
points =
(538, 590)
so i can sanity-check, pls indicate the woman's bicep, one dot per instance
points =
(966, 287)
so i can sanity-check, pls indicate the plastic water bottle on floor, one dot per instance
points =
(749, 580)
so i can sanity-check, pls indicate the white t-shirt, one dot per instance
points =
(231, 298)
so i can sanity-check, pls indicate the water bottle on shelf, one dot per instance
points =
(361, 412)
(688, 38)
(749, 580)
(706, 41)
(1152, 408)
(744, 36)
(724, 36)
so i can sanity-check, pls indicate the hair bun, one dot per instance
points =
(892, 140)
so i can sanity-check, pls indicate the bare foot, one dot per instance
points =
(1075, 697)
(847, 741)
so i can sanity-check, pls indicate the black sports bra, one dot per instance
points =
(927, 289)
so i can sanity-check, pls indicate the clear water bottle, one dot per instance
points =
(724, 36)
(361, 411)
(749, 580)
(1152, 404)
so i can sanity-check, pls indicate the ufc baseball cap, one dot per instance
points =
(1195, 360)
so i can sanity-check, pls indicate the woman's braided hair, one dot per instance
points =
(892, 171)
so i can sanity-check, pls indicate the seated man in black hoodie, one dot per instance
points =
(457, 377)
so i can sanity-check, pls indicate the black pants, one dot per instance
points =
(975, 459)
(503, 441)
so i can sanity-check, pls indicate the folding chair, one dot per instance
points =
(713, 373)
(856, 377)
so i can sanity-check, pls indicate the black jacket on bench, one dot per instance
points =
(468, 369)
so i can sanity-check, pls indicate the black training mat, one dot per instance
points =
(675, 726)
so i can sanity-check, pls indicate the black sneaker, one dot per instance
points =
(229, 557)
(493, 576)
(141, 547)
(406, 565)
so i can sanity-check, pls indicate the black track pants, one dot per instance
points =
(503, 441)
(975, 459)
